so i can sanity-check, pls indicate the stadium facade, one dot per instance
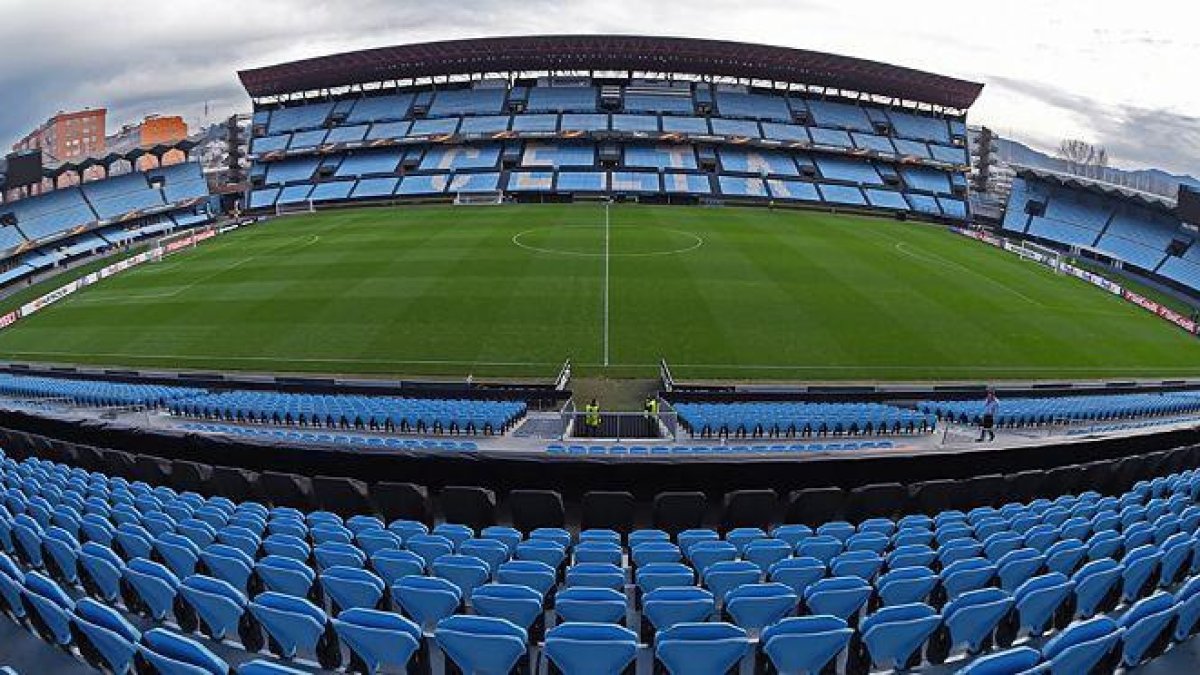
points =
(656, 119)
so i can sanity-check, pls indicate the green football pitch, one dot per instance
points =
(721, 293)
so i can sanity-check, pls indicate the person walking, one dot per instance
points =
(991, 408)
(651, 414)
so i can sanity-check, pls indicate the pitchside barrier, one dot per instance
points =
(1030, 251)
(161, 248)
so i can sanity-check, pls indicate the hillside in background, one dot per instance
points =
(1148, 180)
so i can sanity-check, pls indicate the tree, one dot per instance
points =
(1082, 157)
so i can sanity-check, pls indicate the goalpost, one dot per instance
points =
(180, 241)
(305, 206)
(1043, 255)
(488, 198)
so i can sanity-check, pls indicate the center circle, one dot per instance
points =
(587, 241)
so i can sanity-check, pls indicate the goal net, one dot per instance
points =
(489, 198)
(305, 206)
(1044, 255)
(181, 241)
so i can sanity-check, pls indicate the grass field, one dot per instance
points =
(721, 293)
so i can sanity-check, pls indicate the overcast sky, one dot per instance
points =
(1116, 72)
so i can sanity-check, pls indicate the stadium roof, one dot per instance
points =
(1084, 183)
(610, 52)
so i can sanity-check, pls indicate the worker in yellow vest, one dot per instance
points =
(592, 418)
(651, 413)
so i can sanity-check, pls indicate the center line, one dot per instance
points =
(606, 257)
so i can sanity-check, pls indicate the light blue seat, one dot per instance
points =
(906, 585)
(722, 577)
(228, 563)
(1097, 587)
(703, 554)
(491, 551)
(1187, 605)
(481, 645)
(766, 552)
(521, 605)
(105, 639)
(701, 648)
(823, 547)
(753, 606)
(380, 640)
(1009, 662)
(219, 606)
(595, 575)
(1018, 565)
(338, 553)
(392, 565)
(101, 570)
(12, 578)
(651, 552)
(48, 608)
(598, 552)
(895, 635)
(967, 574)
(591, 605)
(167, 652)
(536, 575)
(1141, 565)
(544, 550)
(591, 649)
(1147, 628)
(61, 554)
(657, 575)
(1079, 648)
(429, 546)
(1039, 598)
(427, 600)
(670, 605)
(806, 644)
(153, 588)
(349, 587)
(972, 617)
(283, 574)
(799, 573)
(296, 626)
(862, 564)
(842, 597)
(466, 572)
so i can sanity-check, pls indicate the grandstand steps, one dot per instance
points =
(614, 395)
(1104, 230)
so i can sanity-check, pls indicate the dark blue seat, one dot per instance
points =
(481, 644)
(701, 648)
(895, 635)
(591, 649)
(590, 605)
(427, 600)
(805, 644)
(1147, 628)
(296, 626)
(378, 639)
(105, 639)
(165, 652)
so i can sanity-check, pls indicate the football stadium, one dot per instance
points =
(599, 355)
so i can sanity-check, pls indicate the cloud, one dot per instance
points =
(1070, 68)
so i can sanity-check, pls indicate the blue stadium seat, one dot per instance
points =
(165, 652)
(807, 644)
(667, 606)
(151, 588)
(48, 608)
(1147, 627)
(351, 587)
(701, 648)
(971, 618)
(1081, 647)
(590, 649)
(842, 597)
(104, 638)
(895, 635)
(377, 640)
(755, 606)
(427, 600)
(1008, 662)
(480, 644)
(297, 627)
(518, 604)
(536, 575)
(590, 605)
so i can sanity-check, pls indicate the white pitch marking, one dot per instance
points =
(606, 258)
